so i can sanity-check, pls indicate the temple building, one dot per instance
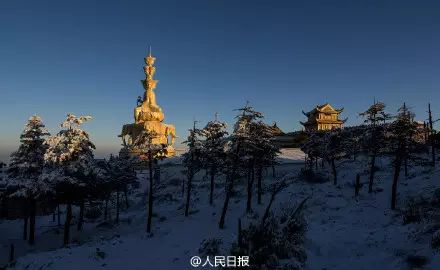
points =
(148, 116)
(323, 117)
(275, 130)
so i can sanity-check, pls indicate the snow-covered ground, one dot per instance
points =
(291, 155)
(344, 232)
(287, 155)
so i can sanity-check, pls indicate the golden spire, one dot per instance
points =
(150, 83)
(149, 69)
(148, 116)
(149, 60)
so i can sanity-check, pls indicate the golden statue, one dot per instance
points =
(148, 116)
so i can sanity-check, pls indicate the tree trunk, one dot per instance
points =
(229, 187)
(335, 176)
(183, 187)
(249, 188)
(32, 214)
(405, 164)
(357, 185)
(431, 139)
(150, 193)
(126, 197)
(372, 171)
(81, 216)
(397, 167)
(221, 223)
(211, 193)
(11, 253)
(106, 209)
(239, 235)
(67, 224)
(59, 215)
(259, 183)
(267, 211)
(188, 192)
(25, 225)
(117, 206)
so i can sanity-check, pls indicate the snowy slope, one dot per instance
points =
(344, 232)
(291, 155)
(287, 155)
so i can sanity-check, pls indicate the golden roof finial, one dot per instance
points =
(149, 60)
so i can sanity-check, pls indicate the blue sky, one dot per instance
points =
(86, 57)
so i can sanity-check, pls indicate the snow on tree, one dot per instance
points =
(103, 185)
(275, 241)
(402, 145)
(374, 137)
(314, 148)
(264, 153)
(143, 144)
(192, 161)
(213, 150)
(238, 153)
(354, 140)
(246, 130)
(27, 162)
(70, 163)
(330, 146)
(112, 176)
(376, 114)
(121, 174)
(25, 170)
(335, 149)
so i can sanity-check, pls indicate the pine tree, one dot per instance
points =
(375, 118)
(330, 146)
(25, 170)
(192, 161)
(70, 163)
(431, 134)
(143, 144)
(213, 151)
(264, 153)
(314, 148)
(105, 184)
(237, 153)
(335, 149)
(121, 174)
(401, 144)
(354, 137)
(247, 129)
